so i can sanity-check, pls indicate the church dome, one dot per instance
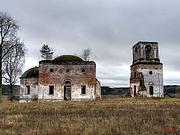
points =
(31, 73)
(67, 58)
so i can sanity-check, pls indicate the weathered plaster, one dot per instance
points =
(66, 71)
(141, 78)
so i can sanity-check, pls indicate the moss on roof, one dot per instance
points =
(31, 73)
(67, 58)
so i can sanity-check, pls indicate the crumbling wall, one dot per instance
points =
(152, 76)
(155, 79)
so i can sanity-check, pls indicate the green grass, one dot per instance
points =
(124, 116)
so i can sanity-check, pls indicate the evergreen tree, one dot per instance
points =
(46, 52)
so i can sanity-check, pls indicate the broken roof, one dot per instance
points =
(31, 73)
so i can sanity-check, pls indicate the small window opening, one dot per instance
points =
(67, 70)
(83, 89)
(51, 70)
(148, 51)
(135, 75)
(83, 70)
(150, 72)
(51, 90)
(27, 90)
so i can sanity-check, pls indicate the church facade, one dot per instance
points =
(66, 77)
(146, 78)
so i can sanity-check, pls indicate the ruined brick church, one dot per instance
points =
(146, 71)
(67, 77)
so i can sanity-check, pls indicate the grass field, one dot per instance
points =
(124, 116)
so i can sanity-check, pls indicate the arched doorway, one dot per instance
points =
(134, 90)
(151, 90)
(67, 90)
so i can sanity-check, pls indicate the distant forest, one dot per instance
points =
(169, 90)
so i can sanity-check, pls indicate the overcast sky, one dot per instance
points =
(109, 27)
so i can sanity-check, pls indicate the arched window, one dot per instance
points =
(137, 52)
(148, 51)
(67, 83)
(67, 90)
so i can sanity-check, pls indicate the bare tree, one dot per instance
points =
(46, 52)
(12, 66)
(8, 34)
(86, 54)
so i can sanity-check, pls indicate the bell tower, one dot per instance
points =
(146, 52)
(146, 71)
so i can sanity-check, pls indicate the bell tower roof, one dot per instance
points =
(146, 42)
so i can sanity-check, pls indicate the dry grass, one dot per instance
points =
(124, 116)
